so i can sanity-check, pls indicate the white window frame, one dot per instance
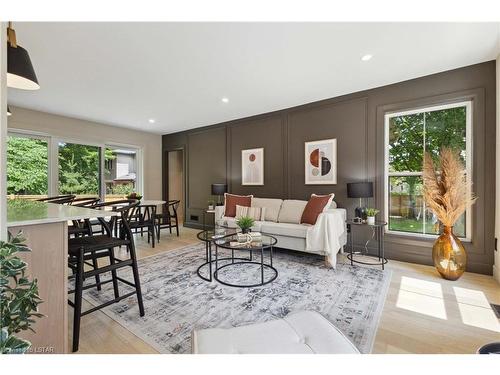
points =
(468, 163)
(53, 158)
(139, 183)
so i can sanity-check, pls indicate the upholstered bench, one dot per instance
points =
(306, 332)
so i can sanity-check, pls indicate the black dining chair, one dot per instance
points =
(168, 217)
(143, 217)
(84, 250)
(59, 199)
(82, 227)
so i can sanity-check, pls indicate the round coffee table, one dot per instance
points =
(208, 236)
(260, 245)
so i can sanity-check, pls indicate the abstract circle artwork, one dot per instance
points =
(320, 160)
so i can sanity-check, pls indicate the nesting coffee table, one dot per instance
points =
(227, 238)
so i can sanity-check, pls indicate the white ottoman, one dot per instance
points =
(304, 332)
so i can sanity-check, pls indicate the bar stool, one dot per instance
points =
(89, 248)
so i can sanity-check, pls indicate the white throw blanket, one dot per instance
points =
(324, 235)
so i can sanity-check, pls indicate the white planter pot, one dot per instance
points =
(211, 207)
(370, 220)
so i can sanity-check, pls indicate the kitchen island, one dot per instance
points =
(45, 227)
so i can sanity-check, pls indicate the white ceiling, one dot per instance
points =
(126, 73)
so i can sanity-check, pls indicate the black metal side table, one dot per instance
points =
(377, 232)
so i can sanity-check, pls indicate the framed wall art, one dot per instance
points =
(321, 162)
(252, 166)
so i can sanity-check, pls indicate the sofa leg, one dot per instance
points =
(327, 262)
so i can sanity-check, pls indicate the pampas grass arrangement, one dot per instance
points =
(447, 190)
(448, 193)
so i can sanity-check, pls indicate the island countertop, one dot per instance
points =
(22, 212)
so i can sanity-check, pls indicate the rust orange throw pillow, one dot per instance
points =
(231, 200)
(314, 207)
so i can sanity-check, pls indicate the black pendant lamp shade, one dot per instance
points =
(20, 72)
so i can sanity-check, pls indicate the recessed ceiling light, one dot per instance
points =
(225, 100)
(366, 57)
(152, 120)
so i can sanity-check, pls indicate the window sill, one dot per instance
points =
(418, 237)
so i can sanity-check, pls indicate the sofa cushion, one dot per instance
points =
(231, 200)
(315, 206)
(256, 213)
(285, 229)
(291, 211)
(272, 207)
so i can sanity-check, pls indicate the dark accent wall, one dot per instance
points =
(213, 153)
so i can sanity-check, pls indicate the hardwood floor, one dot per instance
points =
(422, 313)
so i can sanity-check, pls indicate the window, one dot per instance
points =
(39, 165)
(121, 171)
(27, 166)
(409, 135)
(79, 169)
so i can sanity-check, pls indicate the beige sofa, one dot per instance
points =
(282, 220)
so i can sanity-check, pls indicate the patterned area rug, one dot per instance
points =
(176, 300)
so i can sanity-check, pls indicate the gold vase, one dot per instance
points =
(449, 255)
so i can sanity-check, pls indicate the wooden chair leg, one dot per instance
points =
(137, 282)
(77, 310)
(97, 277)
(113, 273)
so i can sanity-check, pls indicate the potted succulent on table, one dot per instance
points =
(370, 215)
(245, 223)
(19, 297)
(211, 204)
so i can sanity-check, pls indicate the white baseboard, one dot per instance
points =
(496, 273)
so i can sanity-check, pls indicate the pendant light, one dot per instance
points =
(20, 72)
(9, 113)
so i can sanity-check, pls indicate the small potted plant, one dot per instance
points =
(211, 204)
(370, 215)
(134, 195)
(245, 223)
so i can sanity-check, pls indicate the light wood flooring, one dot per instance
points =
(422, 313)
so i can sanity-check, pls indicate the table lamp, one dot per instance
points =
(219, 190)
(360, 190)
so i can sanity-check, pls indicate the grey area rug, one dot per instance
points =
(176, 300)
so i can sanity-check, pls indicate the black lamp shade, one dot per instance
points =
(360, 190)
(219, 189)
(20, 72)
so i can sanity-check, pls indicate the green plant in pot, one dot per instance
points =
(245, 223)
(134, 195)
(448, 193)
(370, 215)
(19, 297)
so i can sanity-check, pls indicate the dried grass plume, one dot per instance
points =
(447, 191)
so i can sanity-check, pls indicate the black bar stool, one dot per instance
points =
(88, 249)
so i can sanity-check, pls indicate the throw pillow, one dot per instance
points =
(314, 207)
(256, 213)
(291, 211)
(231, 200)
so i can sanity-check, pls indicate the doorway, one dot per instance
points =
(175, 179)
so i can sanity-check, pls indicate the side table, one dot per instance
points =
(377, 232)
